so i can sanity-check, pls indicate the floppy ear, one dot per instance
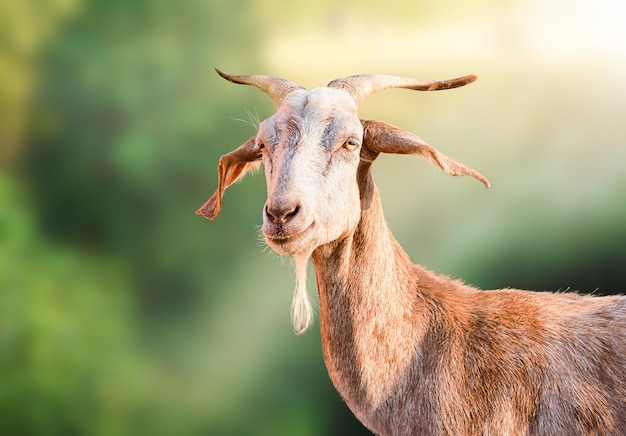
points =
(380, 137)
(231, 168)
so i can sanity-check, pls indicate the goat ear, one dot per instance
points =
(231, 168)
(380, 137)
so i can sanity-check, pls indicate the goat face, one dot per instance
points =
(310, 150)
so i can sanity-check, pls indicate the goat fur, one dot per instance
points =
(411, 351)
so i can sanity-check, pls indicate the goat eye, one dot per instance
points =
(351, 144)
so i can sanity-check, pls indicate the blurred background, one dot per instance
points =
(123, 313)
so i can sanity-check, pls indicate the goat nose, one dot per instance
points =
(281, 214)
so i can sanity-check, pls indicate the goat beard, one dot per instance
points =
(301, 309)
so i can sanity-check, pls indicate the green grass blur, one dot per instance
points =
(123, 313)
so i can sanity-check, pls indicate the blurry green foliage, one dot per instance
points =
(121, 135)
(64, 321)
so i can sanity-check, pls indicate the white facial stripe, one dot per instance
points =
(307, 170)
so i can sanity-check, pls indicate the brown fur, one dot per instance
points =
(440, 357)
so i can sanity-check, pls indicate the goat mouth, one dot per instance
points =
(278, 235)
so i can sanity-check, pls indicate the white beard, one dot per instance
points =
(301, 309)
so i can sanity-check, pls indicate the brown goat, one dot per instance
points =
(410, 351)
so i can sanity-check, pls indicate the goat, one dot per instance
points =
(410, 351)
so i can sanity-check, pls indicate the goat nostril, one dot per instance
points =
(268, 213)
(293, 213)
(279, 215)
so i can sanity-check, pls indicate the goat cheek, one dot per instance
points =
(344, 217)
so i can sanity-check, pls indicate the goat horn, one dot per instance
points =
(360, 86)
(273, 86)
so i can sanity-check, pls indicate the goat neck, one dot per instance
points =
(364, 285)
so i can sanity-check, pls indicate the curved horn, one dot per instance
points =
(275, 87)
(360, 86)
